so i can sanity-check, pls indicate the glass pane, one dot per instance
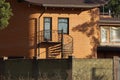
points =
(47, 35)
(103, 34)
(63, 25)
(47, 19)
(115, 34)
(47, 27)
(62, 20)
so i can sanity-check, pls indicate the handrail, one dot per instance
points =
(65, 40)
(48, 35)
(68, 46)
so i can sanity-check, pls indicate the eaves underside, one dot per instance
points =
(71, 5)
(112, 22)
(64, 3)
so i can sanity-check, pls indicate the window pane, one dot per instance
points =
(47, 28)
(63, 20)
(103, 34)
(47, 20)
(115, 34)
(63, 25)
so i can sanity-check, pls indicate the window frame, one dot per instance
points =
(50, 27)
(107, 34)
(109, 41)
(64, 22)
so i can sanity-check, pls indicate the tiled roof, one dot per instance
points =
(68, 3)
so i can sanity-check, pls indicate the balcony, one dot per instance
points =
(59, 43)
(48, 36)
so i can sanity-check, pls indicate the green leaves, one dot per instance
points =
(5, 14)
(114, 5)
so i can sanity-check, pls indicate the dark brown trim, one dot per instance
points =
(69, 3)
(109, 21)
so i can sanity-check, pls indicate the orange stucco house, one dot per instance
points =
(52, 29)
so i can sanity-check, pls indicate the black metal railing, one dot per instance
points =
(49, 36)
(67, 45)
(66, 42)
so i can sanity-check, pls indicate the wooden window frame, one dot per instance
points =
(108, 35)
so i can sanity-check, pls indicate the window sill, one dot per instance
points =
(109, 44)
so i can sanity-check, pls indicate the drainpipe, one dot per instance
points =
(38, 32)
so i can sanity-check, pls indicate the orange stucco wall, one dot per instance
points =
(83, 27)
(19, 38)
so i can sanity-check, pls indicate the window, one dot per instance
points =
(115, 34)
(104, 34)
(110, 34)
(63, 24)
(47, 28)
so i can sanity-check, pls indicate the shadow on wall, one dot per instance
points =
(33, 36)
(90, 29)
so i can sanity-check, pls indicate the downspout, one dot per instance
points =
(38, 32)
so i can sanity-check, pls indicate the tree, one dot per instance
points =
(5, 13)
(114, 6)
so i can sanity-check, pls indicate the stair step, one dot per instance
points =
(56, 45)
(55, 54)
(55, 48)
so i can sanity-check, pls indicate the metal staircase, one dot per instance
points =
(60, 44)
(55, 50)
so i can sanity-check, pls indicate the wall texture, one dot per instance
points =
(19, 38)
(65, 69)
(83, 27)
(92, 69)
(35, 70)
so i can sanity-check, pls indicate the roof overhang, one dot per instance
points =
(109, 22)
(65, 3)
(71, 6)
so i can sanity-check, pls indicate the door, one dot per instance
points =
(47, 29)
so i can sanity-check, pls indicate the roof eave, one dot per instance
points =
(82, 5)
(71, 6)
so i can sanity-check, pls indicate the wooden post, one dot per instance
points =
(115, 68)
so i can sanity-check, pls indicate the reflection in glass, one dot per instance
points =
(103, 34)
(115, 34)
